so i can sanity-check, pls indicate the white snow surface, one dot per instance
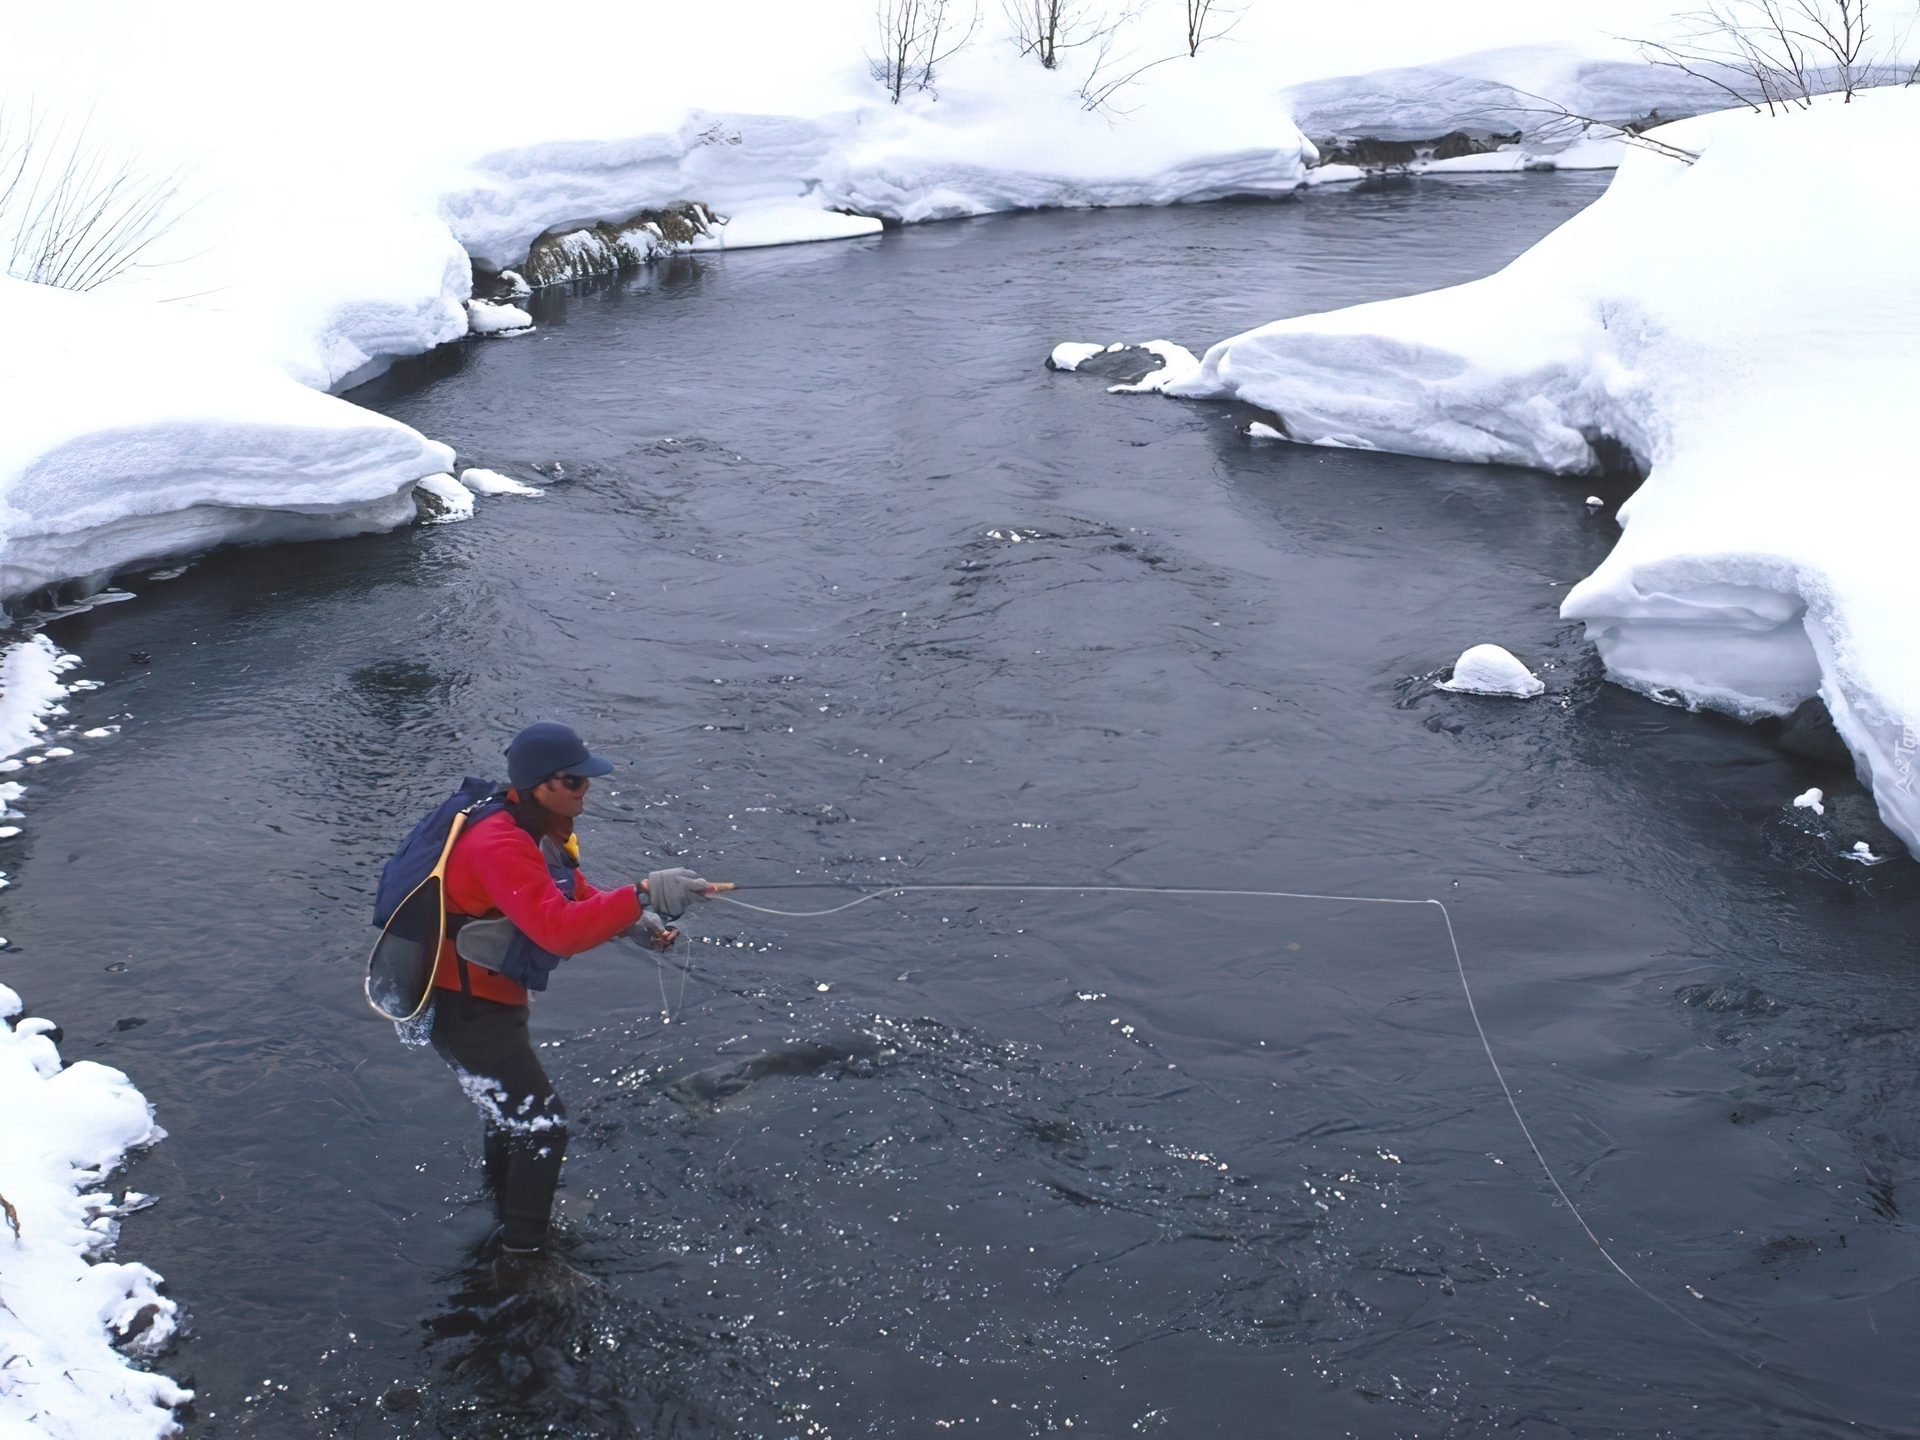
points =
(1757, 360)
(1491, 670)
(66, 1130)
(138, 431)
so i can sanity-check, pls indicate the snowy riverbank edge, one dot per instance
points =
(1751, 347)
(72, 1319)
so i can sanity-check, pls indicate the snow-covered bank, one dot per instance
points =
(137, 431)
(61, 1316)
(1519, 94)
(1003, 135)
(1751, 347)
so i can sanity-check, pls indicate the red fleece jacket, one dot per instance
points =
(496, 869)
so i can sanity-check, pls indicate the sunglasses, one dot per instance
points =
(572, 783)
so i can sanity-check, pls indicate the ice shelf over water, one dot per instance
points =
(138, 431)
(1752, 347)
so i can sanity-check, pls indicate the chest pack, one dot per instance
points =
(502, 946)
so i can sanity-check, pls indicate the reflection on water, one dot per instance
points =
(855, 590)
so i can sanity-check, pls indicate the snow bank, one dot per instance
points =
(1003, 135)
(139, 431)
(60, 1316)
(1511, 90)
(1752, 349)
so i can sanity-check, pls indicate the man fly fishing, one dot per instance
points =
(515, 905)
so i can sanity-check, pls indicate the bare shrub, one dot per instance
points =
(1773, 55)
(1044, 28)
(916, 38)
(75, 213)
(1048, 29)
(1208, 20)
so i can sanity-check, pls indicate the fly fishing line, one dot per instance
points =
(1453, 943)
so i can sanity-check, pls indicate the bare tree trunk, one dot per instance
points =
(916, 38)
(1044, 28)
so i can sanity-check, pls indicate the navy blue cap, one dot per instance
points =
(548, 748)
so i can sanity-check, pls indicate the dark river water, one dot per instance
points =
(1114, 1164)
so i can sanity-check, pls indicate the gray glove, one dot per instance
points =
(672, 891)
(649, 927)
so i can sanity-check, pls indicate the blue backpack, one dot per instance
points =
(420, 851)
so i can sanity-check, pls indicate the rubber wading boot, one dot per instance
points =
(495, 1157)
(526, 1200)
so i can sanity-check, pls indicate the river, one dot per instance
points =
(855, 590)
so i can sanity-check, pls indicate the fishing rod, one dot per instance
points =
(725, 894)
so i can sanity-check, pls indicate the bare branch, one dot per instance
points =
(1772, 55)
(1568, 121)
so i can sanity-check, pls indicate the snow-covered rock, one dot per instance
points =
(1811, 800)
(486, 317)
(1491, 670)
(492, 482)
(66, 1130)
(1177, 366)
(1755, 362)
(443, 500)
(137, 431)
(1072, 354)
